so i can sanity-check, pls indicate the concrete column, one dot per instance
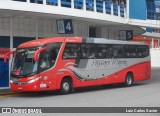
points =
(44, 2)
(111, 9)
(119, 14)
(125, 13)
(104, 7)
(11, 43)
(72, 4)
(36, 28)
(59, 3)
(11, 33)
(108, 34)
(95, 10)
(127, 8)
(152, 43)
(28, 1)
(84, 4)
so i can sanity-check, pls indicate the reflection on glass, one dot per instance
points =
(24, 63)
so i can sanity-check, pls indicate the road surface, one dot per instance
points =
(142, 94)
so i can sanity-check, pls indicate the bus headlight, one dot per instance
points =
(33, 80)
(11, 81)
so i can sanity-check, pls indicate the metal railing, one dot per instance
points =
(99, 6)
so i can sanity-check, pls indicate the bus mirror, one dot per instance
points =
(6, 56)
(37, 53)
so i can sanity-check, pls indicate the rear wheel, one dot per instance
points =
(129, 80)
(66, 86)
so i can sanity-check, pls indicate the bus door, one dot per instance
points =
(47, 61)
(44, 69)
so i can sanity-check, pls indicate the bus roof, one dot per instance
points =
(111, 41)
(40, 42)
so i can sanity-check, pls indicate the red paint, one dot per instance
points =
(37, 53)
(52, 77)
(147, 40)
(7, 55)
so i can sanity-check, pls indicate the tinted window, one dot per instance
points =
(88, 51)
(130, 51)
(71, 51)
(142, 51)
(118, 51)
(104, 51)
(49, 56)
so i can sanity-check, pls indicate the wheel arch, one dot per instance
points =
(66, 77)
(130, 72)
(70, 80)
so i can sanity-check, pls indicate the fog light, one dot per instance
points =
(35, 86)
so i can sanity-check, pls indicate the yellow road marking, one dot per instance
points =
(9, 95)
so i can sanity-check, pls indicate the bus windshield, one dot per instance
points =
(23, 62)
(24, 65)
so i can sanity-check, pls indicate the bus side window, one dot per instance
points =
(83, 51)
(102, 51)
(143, 51)
(48, 57)
(118, 51)
(71, 51)
(87, 51)
(130, 51)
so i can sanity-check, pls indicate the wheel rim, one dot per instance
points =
(66, 86)
(129, 80)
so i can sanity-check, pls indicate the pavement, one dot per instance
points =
(6, 91)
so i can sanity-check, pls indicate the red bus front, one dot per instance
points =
(33, 68)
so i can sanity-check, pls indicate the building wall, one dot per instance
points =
(17, 30)
(152, 42)
(80, 29)
(4, 26)
(137, 9)
(24, 29)
(155, 56)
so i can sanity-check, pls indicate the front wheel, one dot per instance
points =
(66, 86)
(129, 80)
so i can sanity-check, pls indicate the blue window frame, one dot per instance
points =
(19, 40)
(4, 42)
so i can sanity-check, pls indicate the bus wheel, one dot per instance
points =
(129, 80)
(66, 86)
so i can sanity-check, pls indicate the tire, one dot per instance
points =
(129, 80)
(66, 86)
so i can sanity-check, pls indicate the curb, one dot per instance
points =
(8, 93)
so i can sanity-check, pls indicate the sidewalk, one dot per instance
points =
(6, 91)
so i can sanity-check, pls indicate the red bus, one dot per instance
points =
(65, 63)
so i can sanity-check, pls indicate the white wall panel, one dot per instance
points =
(26, 27)
(80, 29)
(155, 56)
(4, 26)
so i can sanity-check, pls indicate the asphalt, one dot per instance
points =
(6, 91)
